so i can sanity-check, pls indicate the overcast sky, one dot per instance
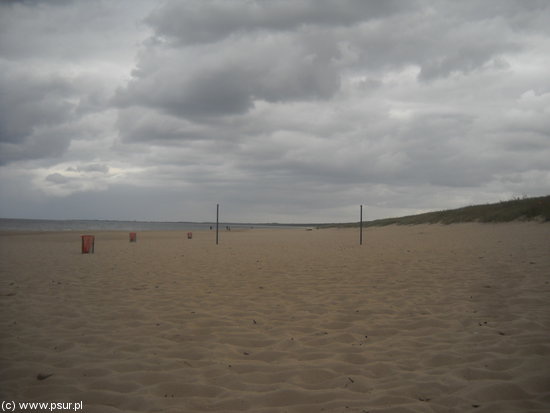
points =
(278, 110)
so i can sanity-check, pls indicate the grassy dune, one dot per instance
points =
(527, 209)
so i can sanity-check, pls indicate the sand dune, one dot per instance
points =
(424, 318)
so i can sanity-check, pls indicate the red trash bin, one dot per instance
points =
(189, 235)
(88, 242)
(133, 237)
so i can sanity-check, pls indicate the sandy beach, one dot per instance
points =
(427, 318)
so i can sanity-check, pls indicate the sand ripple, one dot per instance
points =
(419, 319)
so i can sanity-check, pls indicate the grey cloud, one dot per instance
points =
(29, 101)
(279, 110)
(78, 30)
(35, 3)
(221, 84)
(138, 125)
(214, 92)
(465, 49)
(46, 145)
(298, 61)
(95, 167)
(35, 115)
(46, 92)
(200, 21)
(437, 43)
(528, 16)
(57, 178)
(463, 61)
(437, 149)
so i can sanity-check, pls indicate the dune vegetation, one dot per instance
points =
(517, 209)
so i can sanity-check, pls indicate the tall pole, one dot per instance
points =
(361, 226)
(217, 221)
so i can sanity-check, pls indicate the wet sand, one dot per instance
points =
(425, 318)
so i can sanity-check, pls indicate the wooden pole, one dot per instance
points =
(361, 226)
(217, 221)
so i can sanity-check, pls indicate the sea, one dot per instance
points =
(9, 224)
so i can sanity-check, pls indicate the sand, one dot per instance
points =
(427, 318)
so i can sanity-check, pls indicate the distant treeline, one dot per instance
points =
(517, 209)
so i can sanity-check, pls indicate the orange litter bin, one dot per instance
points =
(189, 235)
(133, 237)
(88, 242)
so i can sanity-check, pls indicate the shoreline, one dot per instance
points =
(298, 227)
